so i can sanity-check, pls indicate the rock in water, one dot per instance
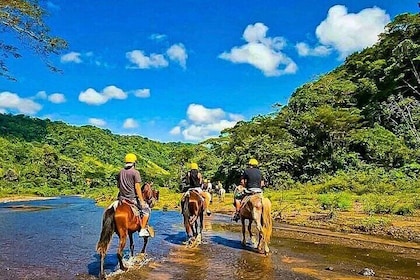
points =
(367, 272)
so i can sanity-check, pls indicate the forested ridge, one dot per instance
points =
(352, 132)
(53, 157)
(352, 135)
(364, 114)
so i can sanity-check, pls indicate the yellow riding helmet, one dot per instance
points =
(253, 162)
(130, 158)
(194, 165)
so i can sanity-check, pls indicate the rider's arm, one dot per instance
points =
(200, 178)
(139, 193)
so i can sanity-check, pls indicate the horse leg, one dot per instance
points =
(130, 235)
(145, 240)
(251, 235)
(243, 232)
(123, 240)
(200, 229)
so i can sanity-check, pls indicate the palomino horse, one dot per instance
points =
(122, 221)
(193, 212)
(257, 208)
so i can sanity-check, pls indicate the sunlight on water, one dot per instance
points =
(59, 242)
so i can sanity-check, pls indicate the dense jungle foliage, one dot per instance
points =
(352, 132)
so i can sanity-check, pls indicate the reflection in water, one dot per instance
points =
(59, 243)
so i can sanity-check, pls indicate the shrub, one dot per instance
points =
(341, 201)
(373, 223)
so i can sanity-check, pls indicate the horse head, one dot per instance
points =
(150, 195)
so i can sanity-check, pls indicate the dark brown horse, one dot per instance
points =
(257, 208)
(121, 220)
(193, 212)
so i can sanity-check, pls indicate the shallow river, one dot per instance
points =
(56, 239)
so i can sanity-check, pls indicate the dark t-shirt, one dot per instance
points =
(193, 178)
(253, 178)
(126, 180)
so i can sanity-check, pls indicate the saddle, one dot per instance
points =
(136, 211)
(250, 192)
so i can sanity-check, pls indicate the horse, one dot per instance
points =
(257, 208)
(193, 213)
(121, 220)
(222, 193)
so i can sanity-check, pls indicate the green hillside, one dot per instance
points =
(352, 135)
(49, 158)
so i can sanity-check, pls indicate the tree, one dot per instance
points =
(24, 18)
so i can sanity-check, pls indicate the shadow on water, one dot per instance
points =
(111, 261)
(175, 238)
(232, 243)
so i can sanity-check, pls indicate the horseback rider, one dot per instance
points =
(194, 181)
(251, 182)
(129, 184)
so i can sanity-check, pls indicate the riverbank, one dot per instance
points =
(18, 198)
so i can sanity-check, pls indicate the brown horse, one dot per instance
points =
(193, 212)
(257, 208)
(122, 221)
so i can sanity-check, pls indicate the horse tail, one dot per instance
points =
(267, 223)
(108, 228)
(185, 207)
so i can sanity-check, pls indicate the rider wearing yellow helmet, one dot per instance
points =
(194, 181)
(252, 181)
(129, 184)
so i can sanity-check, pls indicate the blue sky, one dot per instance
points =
(184, 70)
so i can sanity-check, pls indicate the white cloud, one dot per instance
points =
(97, 122)
(71, 57)
(141, 61)
(142, 93)
(130, 123)
(57, 98)
(350, 32)
(92, 97)
(262, 52)
(158, 37)
(304, 49)
(178, 54)
(204, 123)
(114, 92)
(12, 101)
(176, 130)
(200, 114)
(41, 95)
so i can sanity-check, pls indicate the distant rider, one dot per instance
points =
(194, 181)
